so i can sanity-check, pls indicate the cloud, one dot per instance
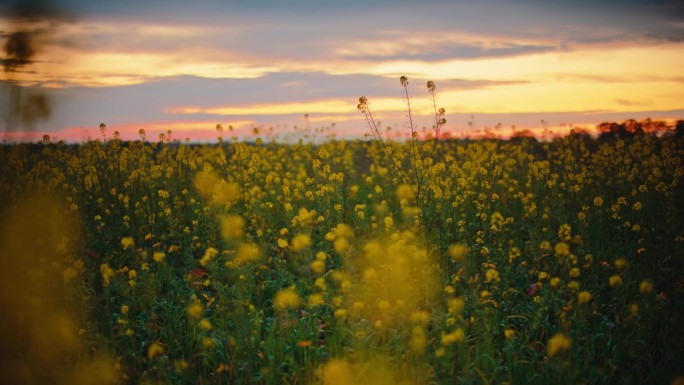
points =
(130, 62)
(401, 45)
(36, 10)
(126, 45)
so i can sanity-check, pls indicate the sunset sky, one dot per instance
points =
(187, 65)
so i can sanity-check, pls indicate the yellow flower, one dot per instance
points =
(562, 249)
(216, 190)
(320, 283)
(492, 276)
(620, 263)
(418, 340)
(232, 227)
(598, 201)
(583, 296)
(318, 266)
(127, 242)
(497, 221)
(454, 337)
(174, 248)
(205, 324)
(634, 308)
(557, 344)
(420, 317)
(107, 273)
(340, 314)
(208, 342)
(455, 305)
(457, 252)
(155, 349)
(405, 192)
(574, 272)
(316, 300)
(343, 231)
(300, 242)
(615, 280)
(513, 254)
(286, 299)
(209, 254)
(337, 372)
(246, 252)
(68, 274)
(341, 245)
(646, 286)
(305, 217)
(282, 243)
(509, 333)
(194, 310)
(565, 232)
(159, 256)
(124, 309)
(180, 365)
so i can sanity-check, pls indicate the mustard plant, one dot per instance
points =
(420, 158)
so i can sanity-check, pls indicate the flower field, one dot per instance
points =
(476, 262)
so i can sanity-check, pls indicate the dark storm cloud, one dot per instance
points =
(36, 10)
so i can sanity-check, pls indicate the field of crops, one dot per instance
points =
(346, 262)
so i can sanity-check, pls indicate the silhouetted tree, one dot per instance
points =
(523, 135)
(631, 127)
(679, 129)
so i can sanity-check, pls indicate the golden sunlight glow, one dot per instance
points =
(611, 64)
(323, 106)
(565, 96)
(334, 106)
(100, 69)
(334, 118)
(194, 125)
(604, 78)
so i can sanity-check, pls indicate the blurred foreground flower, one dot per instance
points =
(557, 344)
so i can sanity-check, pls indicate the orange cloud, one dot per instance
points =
(664, 61)
(116, 69)
(331, 106)
(321, 106)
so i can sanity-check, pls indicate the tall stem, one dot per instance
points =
(414, 150)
